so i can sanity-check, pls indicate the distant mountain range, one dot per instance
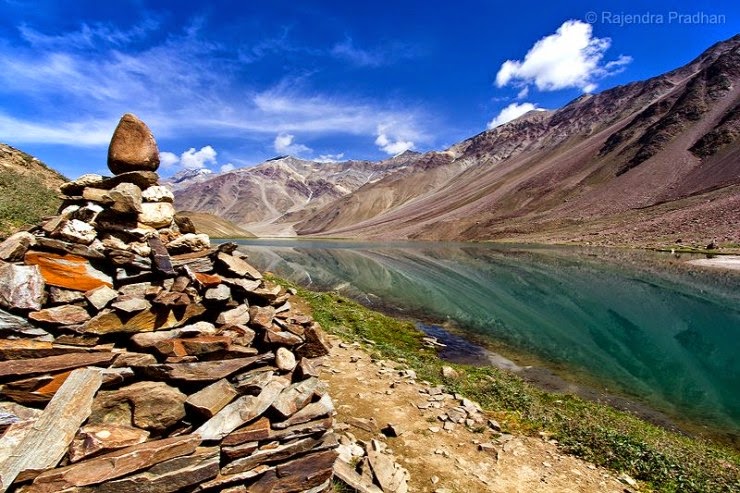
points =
(280, 192)
(653, 161)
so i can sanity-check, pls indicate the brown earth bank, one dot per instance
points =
(214, 226)
(370, 394)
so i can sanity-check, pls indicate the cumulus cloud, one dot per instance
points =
(168, 159)
(393, 140)
(511, 112)
(190, 159)
(285, 144)
(572, 57)
(227, 167)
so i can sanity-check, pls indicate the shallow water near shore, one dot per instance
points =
(637, 324)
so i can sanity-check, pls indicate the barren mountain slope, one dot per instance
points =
(214, 226)
(256, 197)
(601, 160)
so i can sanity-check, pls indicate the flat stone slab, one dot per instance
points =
(114, 465)
(203, 371)
(27, 367)
(46, 442)
(178, 474)
(211, 399)
(238, 266)
(93, 439)
(68, 271)
(239, 412)
(61, 315)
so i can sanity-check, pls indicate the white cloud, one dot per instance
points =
(227, 167)
(511, 112)
(393, 138)
(284, 144)
(192, 159)
(330, 158)
(523, 93)
(393, 147)
(168, 159)
(572, 57)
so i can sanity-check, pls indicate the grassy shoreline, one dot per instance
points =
(665, 460)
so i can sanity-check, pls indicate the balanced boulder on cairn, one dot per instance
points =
(142, 359)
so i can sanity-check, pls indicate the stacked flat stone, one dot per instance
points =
(138, 357)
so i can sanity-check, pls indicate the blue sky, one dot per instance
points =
(230, 84)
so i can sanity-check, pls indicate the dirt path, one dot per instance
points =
(370, 394)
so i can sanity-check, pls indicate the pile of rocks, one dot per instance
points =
(369, 466)
(144, 359)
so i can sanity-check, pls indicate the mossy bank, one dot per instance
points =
(664, 460)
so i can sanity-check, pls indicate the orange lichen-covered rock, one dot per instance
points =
(68, 271)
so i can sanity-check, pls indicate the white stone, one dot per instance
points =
(189, 242)
(69, 210)
(21, 287)
(140, 248)
(88, 213)
(157, 214)
(158, 193)
(77, 231)
(284, 359)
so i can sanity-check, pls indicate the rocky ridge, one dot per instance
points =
(278, 193)
(141, 358)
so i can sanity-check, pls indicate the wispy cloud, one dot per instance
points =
(74, 86)
(89, 36)
(83, 133)
(375, 57)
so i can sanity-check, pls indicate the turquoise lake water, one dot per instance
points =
(640, 324)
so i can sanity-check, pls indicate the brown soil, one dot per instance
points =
(374, 390)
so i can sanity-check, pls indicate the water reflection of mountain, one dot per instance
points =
(670, 338)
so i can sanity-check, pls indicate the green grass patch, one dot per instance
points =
(24, 200)
(667, 461)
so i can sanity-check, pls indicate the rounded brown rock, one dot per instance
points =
(132, 147)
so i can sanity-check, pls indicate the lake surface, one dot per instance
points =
(639, 324)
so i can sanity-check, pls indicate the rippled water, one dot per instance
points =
(635, 322)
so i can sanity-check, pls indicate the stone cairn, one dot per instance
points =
(146, 360)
